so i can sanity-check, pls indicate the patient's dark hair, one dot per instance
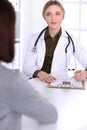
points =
(7, 31)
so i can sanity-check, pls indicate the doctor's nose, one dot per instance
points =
(53, 17)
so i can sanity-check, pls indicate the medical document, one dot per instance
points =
(69, 83)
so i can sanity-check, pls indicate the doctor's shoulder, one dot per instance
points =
(34, 36)
(37, 36)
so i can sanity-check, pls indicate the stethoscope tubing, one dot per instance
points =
(69, 39)
(66, 48)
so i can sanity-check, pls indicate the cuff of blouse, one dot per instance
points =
(35, 73)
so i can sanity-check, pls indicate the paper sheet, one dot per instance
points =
(67, 83)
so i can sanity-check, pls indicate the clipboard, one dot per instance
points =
(67, 83)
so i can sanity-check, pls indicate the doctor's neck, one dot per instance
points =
(53, 31)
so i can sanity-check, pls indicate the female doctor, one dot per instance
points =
(48, 54)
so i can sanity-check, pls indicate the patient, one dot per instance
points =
(17, 96)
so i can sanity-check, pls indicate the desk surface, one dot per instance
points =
(70, 103)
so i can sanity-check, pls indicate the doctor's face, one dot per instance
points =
(54, 16)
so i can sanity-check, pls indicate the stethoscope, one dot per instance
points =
(34, 47)
(70, 40)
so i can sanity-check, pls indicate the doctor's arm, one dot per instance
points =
(30, 67)
(30, 59)
(81, 56)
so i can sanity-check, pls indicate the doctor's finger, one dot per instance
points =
(77, 77)
(47, 80)
(80, 78)
(77, 71)
(51, 78)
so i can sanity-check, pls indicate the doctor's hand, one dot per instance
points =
(45, 77)
(80, 75)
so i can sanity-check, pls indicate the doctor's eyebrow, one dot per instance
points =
(50, 13)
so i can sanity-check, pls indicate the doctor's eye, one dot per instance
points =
(57, 13)
(48, 14)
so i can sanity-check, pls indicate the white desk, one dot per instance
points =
(71, 105)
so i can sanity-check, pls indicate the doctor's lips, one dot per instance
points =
(53, 22)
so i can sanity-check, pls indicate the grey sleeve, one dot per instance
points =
(25, 100)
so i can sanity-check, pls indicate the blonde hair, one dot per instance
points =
(53, 2)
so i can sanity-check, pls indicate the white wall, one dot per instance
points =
(25, 24)
(32, 20)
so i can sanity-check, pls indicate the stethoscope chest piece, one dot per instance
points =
(34, 49)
